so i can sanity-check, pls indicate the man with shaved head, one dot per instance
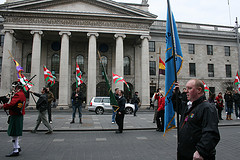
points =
(198, 129)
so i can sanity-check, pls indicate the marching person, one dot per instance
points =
(120, 111)
(160, 111)
(77, 104)
(136, 102)
(42, 105)
(50, 97)
(114, 112)
(16, 107)
(198, 128)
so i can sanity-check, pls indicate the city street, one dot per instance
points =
(97, 143)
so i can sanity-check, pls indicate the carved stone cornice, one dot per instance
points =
(57, 21)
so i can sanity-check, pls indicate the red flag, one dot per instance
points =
(161, 66)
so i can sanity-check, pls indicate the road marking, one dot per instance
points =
(143, 118)
(129, 126)
(96, 122)
(141, 138)
(65, 127)
(101, 139)
(58, 140)
(95, 119)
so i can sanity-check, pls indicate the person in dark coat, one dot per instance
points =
(113, 109)
(42, 105)
(236, 98)
(136, 102)
(120, 111)
(16, 107)
(198, 128)
(77, 104)
(50, 97)
(229, 100)
(219, 105)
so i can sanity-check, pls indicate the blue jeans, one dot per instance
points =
(75, 107)
(113, 115)
(237, 108)
(136, 108)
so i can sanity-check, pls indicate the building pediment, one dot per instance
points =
(104, 7)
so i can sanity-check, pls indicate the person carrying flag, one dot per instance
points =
(198, 128)
(77, 104)
(16, 107)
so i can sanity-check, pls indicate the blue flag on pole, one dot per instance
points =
(169, 117)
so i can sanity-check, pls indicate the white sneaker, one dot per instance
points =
(50, 122)
(113, 122)
(238, 117)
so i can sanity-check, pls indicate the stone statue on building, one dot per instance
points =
(144, 1)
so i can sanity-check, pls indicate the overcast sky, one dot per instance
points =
(196, 11)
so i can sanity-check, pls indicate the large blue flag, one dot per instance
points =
(169, 117)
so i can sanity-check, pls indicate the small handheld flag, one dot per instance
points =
(78, 76)
(117, 78)
(161, 66)
(206, 89)
(237, 81)
(48, 76)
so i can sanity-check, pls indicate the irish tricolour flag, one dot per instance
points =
(237, 81)
(117, 78)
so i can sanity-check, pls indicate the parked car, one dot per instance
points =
(101, 104)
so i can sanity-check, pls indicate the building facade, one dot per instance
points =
(61, 33)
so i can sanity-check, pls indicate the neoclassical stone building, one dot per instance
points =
(59, 33)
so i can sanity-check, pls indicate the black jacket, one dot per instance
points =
(236, 98)
(198, 130)
(121, 104)
(77, 100)
(42, 103)
(229, 100)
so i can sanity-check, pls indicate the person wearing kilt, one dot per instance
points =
(16, 107)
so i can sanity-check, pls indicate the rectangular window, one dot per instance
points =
(1, 40)
(192, 70)
(0, 64)
(152, 67)
(227, 50)
(228, 70)
(210, 70)
(209, 50)
(151, 46)
(191, 49)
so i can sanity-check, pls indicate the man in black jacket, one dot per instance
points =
(42, 105)
(77, 104)
(236, 98)
(198, 129)
(120, 111)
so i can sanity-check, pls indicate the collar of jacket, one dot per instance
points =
(199, 100)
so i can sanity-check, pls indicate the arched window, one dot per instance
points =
(126, 65)
(55, 63)
(80, 62)
(105, 64)
(28, 63)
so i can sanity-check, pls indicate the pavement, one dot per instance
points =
(93, 122)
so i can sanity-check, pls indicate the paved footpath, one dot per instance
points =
(93, 122)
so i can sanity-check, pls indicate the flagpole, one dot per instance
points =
(158, 67)
(175, 70)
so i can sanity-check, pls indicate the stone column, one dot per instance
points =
(92, 66)
(64, 96)
(36, 65)
(6, 62)
(145, 78)
(119, 58)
